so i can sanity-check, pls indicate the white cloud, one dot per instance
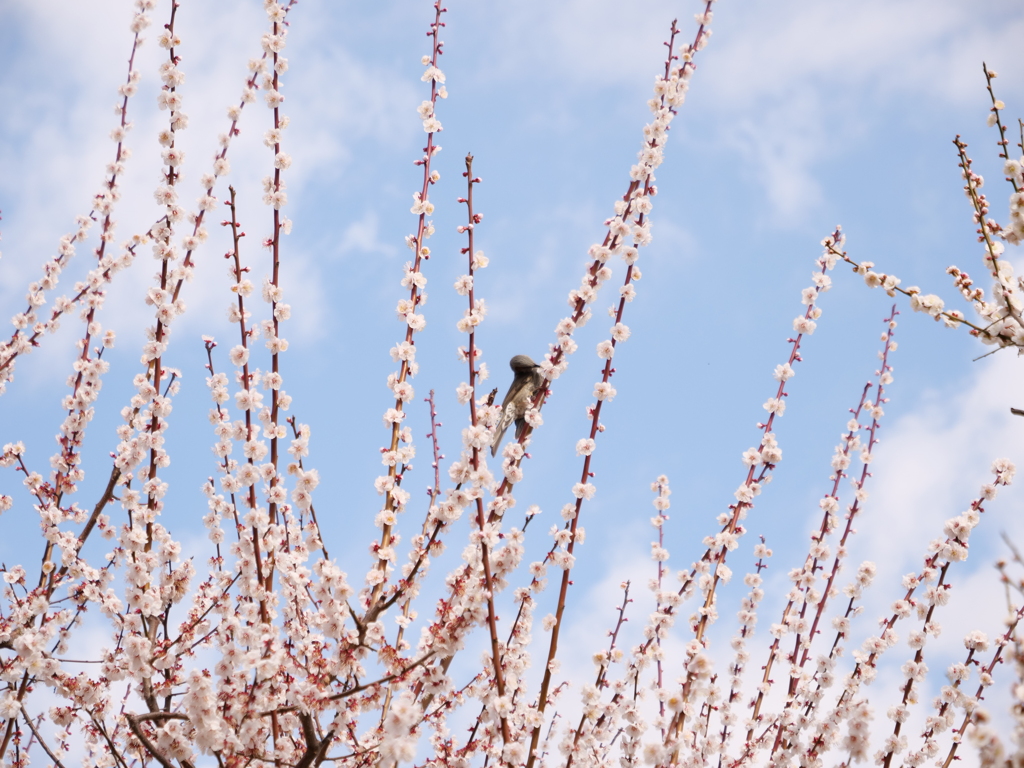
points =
(336, 100)
(884, 48)
(797, 85)
(363, 237)
(780, 149)
(933, 461)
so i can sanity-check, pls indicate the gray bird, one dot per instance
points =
(527, 382)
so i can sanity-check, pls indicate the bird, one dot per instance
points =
(527, 382)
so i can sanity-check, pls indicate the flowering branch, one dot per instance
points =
(414, 281)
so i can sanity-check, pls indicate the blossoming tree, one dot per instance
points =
(264, 650)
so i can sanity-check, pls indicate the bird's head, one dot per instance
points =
(522, 363)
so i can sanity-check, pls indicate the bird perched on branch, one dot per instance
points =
(527, 382)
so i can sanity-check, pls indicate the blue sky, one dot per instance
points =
(801, 116)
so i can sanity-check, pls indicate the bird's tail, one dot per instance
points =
(497, 440)
(503, 424)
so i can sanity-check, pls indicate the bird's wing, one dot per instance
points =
(537, 384)
(503, 424)
(506, 417)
